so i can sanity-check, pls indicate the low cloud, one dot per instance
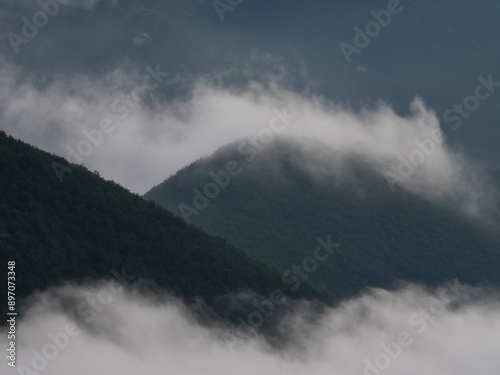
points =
(153, 138)
(451, 330)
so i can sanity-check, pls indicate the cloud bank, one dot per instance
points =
(105, 329)
(121, 126)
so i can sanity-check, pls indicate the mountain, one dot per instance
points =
(74, 225)
(276, 209)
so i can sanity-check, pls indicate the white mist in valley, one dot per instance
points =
(107, 329)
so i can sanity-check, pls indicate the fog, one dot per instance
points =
(108, 329)
(121, 126)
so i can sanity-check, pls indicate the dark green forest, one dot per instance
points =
(85, 227)
(276, 211)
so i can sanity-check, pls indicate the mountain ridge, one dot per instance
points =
(86, 227)
(275, 211)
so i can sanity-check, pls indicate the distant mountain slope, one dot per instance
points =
(276, 211)
(85, 227)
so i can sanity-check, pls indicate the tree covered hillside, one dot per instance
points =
(86, 227)
(276, 211)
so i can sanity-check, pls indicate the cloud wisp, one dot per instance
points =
(153, 138)
(454, 329)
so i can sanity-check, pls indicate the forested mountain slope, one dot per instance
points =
(276, 211)
(86, 227)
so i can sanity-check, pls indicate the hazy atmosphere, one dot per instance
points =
(283, 187)
(453, 330)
